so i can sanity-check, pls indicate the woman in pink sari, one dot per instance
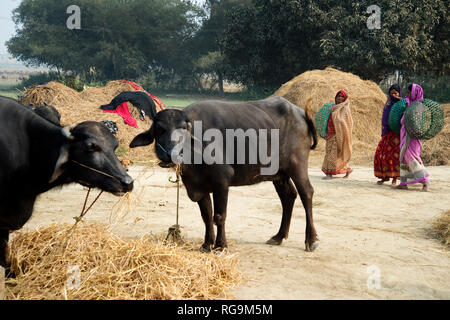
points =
(411, 166)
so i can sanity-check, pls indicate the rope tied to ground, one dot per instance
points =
(174, 231)
(80, 217)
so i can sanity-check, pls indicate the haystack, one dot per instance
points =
(98, 264)
(76, 107)
(441, 228)
(436, 152)
(367, 101)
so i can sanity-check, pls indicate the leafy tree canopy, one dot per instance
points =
(270, 42)
(120, 38)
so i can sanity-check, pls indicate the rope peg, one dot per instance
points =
(175, 233)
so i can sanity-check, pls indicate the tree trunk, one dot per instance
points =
(221, 84)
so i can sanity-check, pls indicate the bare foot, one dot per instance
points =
(402, 187)
(425, 187)
(394, 182)
(348, 173)
(327, 177)
(380, 182)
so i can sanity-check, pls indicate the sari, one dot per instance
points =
(386, 160)
(338, 150)
(412, 169)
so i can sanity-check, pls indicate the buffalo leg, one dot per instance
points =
(207, 216)
(306, 191)
(287, 193)
(220, 214)
(4, 236)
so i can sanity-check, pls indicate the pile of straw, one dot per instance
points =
(76, 107)
(436, 152)
(51, 93)
(111, 267)
(366, 101)
(441, 228)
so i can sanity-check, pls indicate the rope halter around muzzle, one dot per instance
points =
(97, 171)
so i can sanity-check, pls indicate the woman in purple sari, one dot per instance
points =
(386, 161)
(411, 166)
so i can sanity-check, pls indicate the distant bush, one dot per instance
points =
(78, 83)
(37, 78)
(251, 93)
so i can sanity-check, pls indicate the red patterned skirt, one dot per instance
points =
(386, 162)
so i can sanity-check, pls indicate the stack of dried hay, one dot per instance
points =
(436, 152)
(114, 268)
(53, 93)
(441, 228)
(366, 101)
(76, 107)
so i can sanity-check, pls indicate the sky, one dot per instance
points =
(7, 27)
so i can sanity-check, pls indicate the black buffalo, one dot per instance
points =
(297, 135)
(49, 113)
(36, 156)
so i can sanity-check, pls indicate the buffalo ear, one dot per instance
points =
(143, 139)
(62, 160)
(67, 132)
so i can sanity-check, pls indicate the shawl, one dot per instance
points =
(343, 124)
(410, 148)
(387, 109)
(124, 112)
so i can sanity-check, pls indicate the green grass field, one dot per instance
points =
(9, 93)
(7, 88)
(182, 101)
(178, 103)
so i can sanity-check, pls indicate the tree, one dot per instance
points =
(209, 60)
(121, 39)
(270, 42)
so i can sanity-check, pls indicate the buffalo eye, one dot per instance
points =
(92, 147)
(160, 129)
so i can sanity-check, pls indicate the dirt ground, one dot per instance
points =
(374, 241)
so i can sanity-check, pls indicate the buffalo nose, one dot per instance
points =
(128, 183)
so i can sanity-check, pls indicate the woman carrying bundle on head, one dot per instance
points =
(386, 161)
(411, 166)
(339, 138)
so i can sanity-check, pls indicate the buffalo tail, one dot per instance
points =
(311, 127)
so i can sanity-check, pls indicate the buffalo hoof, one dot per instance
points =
(310, 247)
(205, 248)
(274, 241)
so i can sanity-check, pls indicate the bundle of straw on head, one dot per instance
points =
(111, 267)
